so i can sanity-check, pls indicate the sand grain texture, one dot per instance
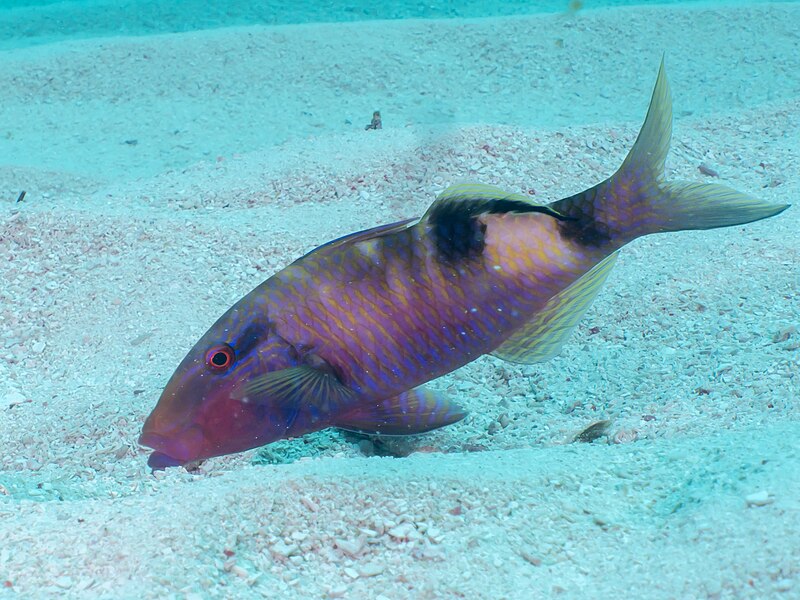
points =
(122, 254)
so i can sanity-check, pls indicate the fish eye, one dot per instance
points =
(220, 358)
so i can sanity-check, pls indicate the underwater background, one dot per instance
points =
(173, 155)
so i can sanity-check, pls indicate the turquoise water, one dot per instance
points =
(122, 106)
(25, 22)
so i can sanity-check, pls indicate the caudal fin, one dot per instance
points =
(636, 200)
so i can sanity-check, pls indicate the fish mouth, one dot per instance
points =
(159, 461)
(172, 451)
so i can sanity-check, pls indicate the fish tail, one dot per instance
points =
(637, 200)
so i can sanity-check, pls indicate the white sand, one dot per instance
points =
(122, 255)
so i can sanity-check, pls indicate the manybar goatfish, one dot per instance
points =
(344, 336)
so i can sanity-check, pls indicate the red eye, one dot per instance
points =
(220, 358)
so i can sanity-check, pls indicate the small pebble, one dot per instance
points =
(309, 504)
(761, 498)
(337, 591)
(707, 170)
(775, 182)
(535, 561)
(370, 570)
(351, 548)
(240, 572)
(12, 398)
(784, 334)
(404, 531)
(370, 533)
(599, 521)
(625, 436)
(594, 431)
(283, 549)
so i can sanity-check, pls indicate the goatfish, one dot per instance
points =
(347, 335)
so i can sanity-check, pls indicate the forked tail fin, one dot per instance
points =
(636, 200)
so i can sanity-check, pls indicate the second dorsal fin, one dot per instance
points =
(480, 198)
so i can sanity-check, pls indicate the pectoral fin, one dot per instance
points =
(415, 411)
(542, 338)
(317, 391)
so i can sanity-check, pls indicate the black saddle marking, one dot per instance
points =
(585, 232)
(457, 232)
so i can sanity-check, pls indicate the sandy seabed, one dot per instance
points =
(168, 175)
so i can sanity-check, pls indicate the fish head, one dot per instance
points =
(201, 412)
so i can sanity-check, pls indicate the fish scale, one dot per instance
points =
(437, 292)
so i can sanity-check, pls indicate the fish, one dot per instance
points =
(348, 335)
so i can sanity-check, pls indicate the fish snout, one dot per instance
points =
(172, 446)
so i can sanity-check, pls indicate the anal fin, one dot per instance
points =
(415, 411)
(543, 336)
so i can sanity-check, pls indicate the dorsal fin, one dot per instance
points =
(480, 198)
(482, 191)
(543, 336)
(359, 236)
